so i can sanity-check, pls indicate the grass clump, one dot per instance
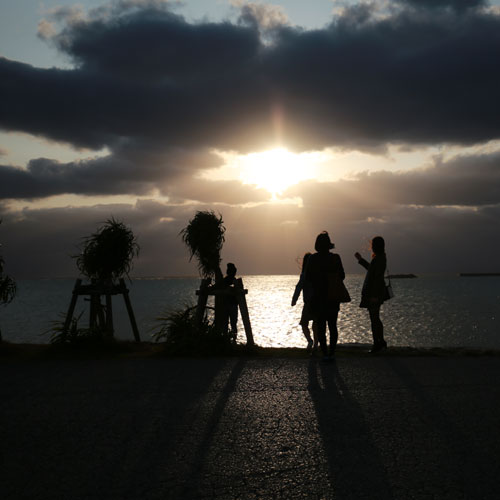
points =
(183, 335)
(75, 335)
(8, 287)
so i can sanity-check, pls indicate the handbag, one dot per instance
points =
(337, 291)
(389, 292)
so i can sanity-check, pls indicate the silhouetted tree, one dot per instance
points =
(109, 252)
(107, 255)
(204, 236)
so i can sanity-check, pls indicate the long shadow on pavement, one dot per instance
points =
(355, 466)
(98, 429)
(193, 483)
(464, 465)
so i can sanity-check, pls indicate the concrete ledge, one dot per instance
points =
(143, 350)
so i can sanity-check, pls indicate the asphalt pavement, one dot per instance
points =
(388, 427)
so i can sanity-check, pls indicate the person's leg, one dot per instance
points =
(334, 334)
(377, 326)
(315, 334)
(233, 317)
(321, 330)
(225, 312)
(307, 335)
(306, 331)
(304, 323)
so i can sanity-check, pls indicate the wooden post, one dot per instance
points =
(220, 312)
(93, 311)
(101, 317)
(202, 300)
(126, 298)
(245, 317)
(101, 323)
(221, 293)
(109, 316)
(71, 309)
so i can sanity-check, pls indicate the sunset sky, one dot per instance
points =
(288, 118)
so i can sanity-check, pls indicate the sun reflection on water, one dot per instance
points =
(275, 323)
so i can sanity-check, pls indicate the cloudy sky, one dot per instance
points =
(356, 117)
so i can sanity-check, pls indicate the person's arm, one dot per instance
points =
(362, 261)
(298, 289)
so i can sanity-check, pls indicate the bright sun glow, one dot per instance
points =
(275, 170)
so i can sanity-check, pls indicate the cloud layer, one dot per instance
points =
(423, 75)
(161, 94)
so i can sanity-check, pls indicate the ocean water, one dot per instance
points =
(429, 311)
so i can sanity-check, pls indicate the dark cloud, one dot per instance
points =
(112, 176)
(264, 239)
(472, 180)
(132, 169)
(458, 5)
(157, 45)
(362, 81)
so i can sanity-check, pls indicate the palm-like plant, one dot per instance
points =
(109, 252)
(8, 286)
(204, 236)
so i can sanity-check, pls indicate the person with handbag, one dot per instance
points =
(373, 293)
(323, 269)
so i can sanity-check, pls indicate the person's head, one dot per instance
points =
(378, 245)
(231, 269)
(305, 259)
(323, 243)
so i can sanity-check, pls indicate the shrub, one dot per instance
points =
(74, 335)
(182, 334)
(8, 286)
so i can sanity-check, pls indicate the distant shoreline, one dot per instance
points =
(402, 276)
(131, 350)
(471, 275)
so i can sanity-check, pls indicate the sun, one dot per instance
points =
(275, 170)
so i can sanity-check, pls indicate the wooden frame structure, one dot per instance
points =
(101, 315)
(219, 293)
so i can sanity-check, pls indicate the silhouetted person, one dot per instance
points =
(231, 302)
(307, 315)
(321, 266)
(373, 292)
